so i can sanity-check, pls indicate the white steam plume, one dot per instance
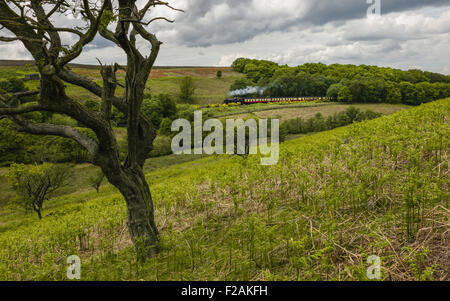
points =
(248, 90)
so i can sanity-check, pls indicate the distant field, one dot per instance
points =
(209, 89)
(326, 109)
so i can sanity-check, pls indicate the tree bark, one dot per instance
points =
(140, 211)
(131, 179)
(141, 222)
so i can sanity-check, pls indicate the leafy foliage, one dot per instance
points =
(345, 95)
(16, 147)
(35, 184)
(159, 107)
(319, 123)
(13, 85)
(363, 83)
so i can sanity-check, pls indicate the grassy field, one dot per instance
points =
(209, 88)
(284, 112)
(326, 110)
(79, 180)
(374, 188)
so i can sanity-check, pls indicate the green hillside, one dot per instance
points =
(374, 188)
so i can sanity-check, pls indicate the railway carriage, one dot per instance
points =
(247, 101)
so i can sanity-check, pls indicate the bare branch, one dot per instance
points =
(147, 23)
(21, 28)
(55, 8)
(55, 39)
(19, 110)
(109, 88)
(167, 5)
(87, 37)
(26, 93)
(78, 80)
(8, 104)
(19, 38)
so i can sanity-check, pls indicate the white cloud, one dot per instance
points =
(14, 51)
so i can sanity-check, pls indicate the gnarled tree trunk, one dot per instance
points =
(34, 28)
(141, 222)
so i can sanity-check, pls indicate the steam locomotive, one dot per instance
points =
(248, 101)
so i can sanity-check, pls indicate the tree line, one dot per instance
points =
(346, 83)
(319, 123)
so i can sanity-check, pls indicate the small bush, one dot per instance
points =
(161, 146)
(13, 85)
(187, 90)
(36, 184)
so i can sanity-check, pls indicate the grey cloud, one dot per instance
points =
(207, 22)
(322, 12)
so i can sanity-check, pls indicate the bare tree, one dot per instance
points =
(122, 22)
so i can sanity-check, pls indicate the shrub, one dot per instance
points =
(158, 108)
(345, 95)
(162, 146)
(187, 90)
(319, 123)
(186, 112)
(165, 127)
(35, 184)
(118, 118)
(13, 85)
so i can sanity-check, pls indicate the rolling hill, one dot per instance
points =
(335, 198)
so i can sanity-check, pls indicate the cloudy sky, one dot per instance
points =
(407, 34)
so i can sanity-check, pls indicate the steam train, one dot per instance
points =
(248, 101)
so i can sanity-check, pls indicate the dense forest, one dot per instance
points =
(346, 83)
